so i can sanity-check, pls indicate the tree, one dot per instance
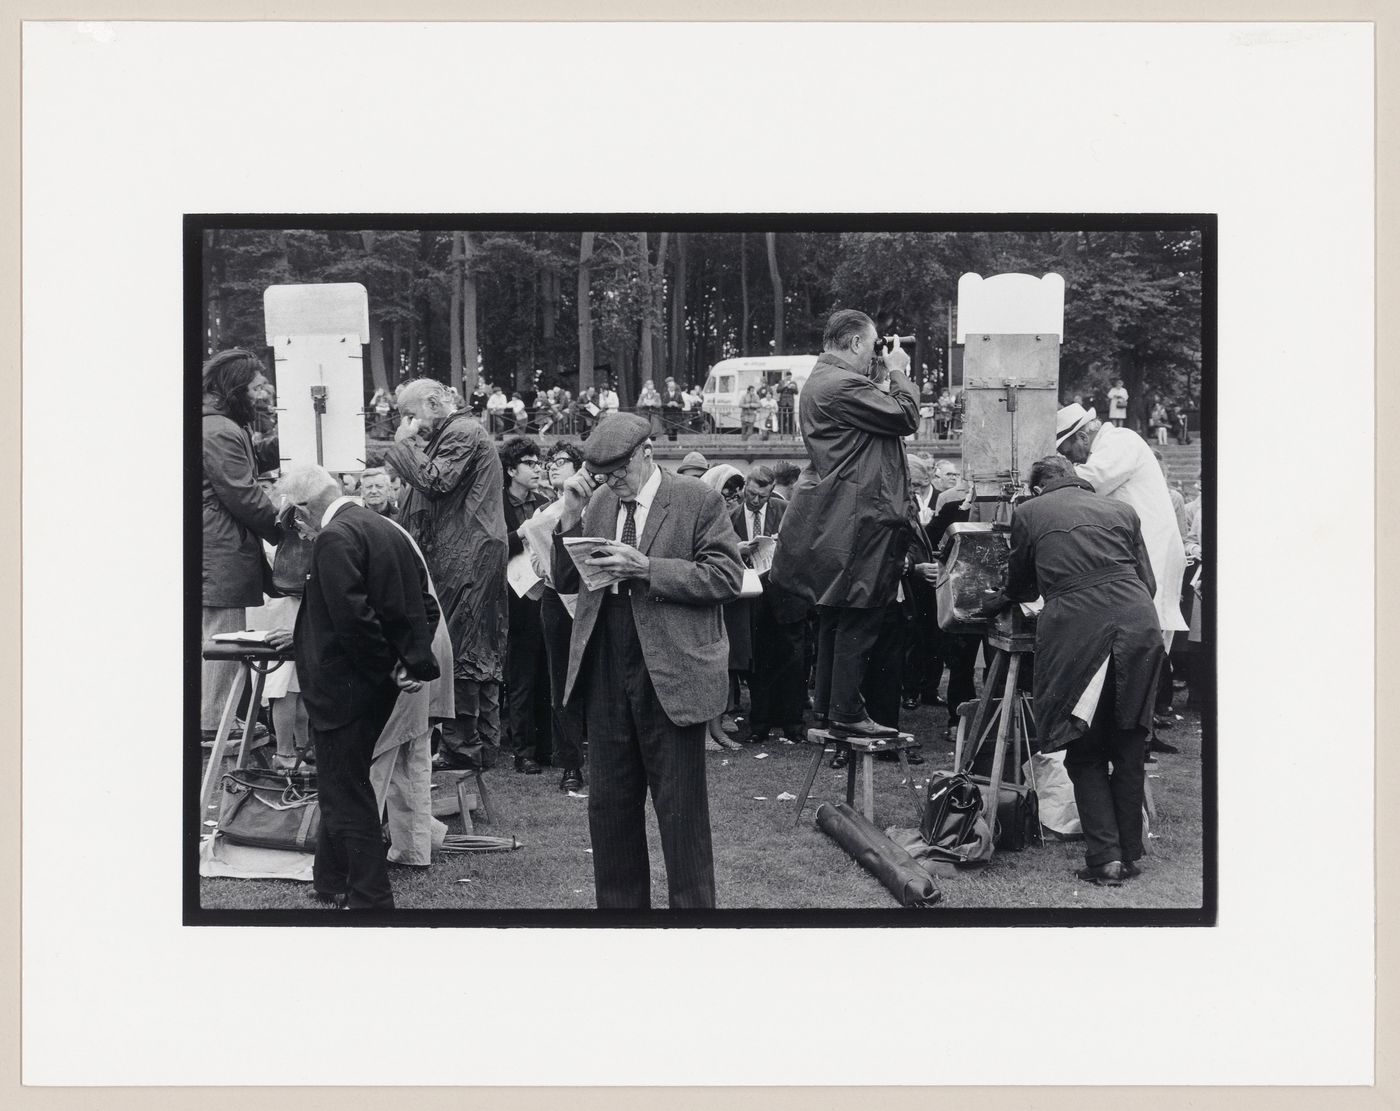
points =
(778, 313)
(585, 313)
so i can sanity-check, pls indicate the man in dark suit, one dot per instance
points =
(649, 659)
(779, 621)
(363, 633)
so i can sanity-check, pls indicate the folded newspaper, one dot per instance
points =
(761, 549)
(539, 540)
(580, 549)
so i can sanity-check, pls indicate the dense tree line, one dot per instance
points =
(547, 307)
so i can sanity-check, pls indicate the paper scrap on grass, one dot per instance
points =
(787, 796)
(578, 794)
(760, 756)
(760, 798)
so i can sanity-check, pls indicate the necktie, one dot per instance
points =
(629, 526)
(756, 529)
(629, 537)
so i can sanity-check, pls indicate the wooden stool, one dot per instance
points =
(465, 801)
(866, 748)
(255, 661)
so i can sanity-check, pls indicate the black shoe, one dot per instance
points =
(863, 728)
(841, 759)
(1162, 721)
(572, 781)
(1105, 875)
(910, 702)
(527, 766)
(1130, 870)
(335, 900)
(1156, 745)
(914, 756)
(448, 761)
(758, 733)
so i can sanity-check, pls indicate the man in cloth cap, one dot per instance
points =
(1119, 464)
(693, 464)
(648, 657)
(846, 533)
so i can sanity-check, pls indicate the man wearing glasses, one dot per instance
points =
(527, 676)
(648, 658)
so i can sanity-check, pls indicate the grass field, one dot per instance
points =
(762, 861)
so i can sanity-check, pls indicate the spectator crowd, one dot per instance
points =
(479, 497)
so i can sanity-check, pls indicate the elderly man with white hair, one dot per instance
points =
(364, 633)
(452, 506)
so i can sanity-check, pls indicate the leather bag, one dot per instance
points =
(270, 810)
(1018, 815)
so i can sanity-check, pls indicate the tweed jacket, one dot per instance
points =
(695, 569)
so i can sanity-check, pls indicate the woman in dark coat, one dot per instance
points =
(237, 516)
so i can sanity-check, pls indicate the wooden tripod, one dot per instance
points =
(1003, 706)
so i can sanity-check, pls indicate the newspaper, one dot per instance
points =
(520, 573)
(580, 548)
(539, 547)
(761, 550)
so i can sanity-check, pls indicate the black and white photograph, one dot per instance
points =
(728, 554)
(703, 566)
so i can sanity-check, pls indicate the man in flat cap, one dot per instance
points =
(648, 658)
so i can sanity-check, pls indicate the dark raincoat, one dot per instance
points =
(1085, 554)
(237, 516)
(845, 534)
(452, 505)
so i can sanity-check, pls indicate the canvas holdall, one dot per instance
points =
(270, 810)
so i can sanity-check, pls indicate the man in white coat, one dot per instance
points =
(1120, 465)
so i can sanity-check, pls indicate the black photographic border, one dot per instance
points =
(194, 226)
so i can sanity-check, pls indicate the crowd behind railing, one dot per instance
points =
(558, 412)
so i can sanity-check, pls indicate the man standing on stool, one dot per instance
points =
(1098, 651)
(650, 659)
(845, 534)
(363, 633)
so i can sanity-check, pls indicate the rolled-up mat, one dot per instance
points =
(878, 855)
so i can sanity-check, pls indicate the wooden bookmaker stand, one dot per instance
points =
(1011, 326)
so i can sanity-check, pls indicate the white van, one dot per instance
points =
(729, 378)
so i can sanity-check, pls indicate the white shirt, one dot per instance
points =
(645, 496)
(1122, 466)
(336, 506)
(496, 401)
(643, 501)
(1118, 402)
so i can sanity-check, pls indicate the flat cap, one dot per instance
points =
(614, 440)
(694, 463)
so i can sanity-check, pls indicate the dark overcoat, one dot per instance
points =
(846, 531)
(1085, 554)
(237, 516)
(695, 569)
(452, 505)
(367, 607)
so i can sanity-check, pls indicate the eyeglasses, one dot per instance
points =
(559, 461)
(603, 476)
(528, 463)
